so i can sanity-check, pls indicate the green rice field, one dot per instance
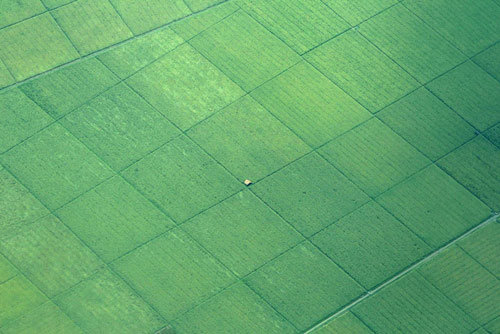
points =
(250, 167)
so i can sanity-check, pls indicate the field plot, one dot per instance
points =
(488, 60)
(15, 11)
(483, 246)
(347, 323)
(493, 135)
(355, 11)
(6, 78)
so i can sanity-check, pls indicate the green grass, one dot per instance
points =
(160, 269)
(110, 235)
(15, 11)
(347, 323)
(483, 246)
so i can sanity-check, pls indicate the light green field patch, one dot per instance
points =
(60, 92)
(173, 273)
(472, 93)
(15, 11)
(142, 16)
(171, 175)
(122, 219)
(17, 204)
(18, 296)
(347, 323)
(493, 135)
(185, 87)
(412, 305)
(244, 50)
(355, 11)
(248, 140)
(242, 232)
(198, 5)
(411, 43)
(91, 25)
(371, 245)
(7, 270)
(374, 157)
(310, 104)
(34, 46)
(310, 194)
(235, 310)
(364, 72)
(427, 123)
(304, 285)
(50, 255)
(489, 61)
(193, 25)
(479, 25)
(6, 78)
(434, 206)
(55, 166)
(484, 247)
(105, 304)
(466, 283)
(128, 58)
(46, 319)
(301, 25)
(119, 126)
(55, 3)
(481, 173)
(19, 119)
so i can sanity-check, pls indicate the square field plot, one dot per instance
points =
(247, 140)
(18, 206)
(235, 310)
(427, 123)
(304, 285)
(412, 305)
(185, 87)
(472, 93)
(91, 25)
(302, 25)
(310, 194)
(484, 247)
(434, 206)
(173, 273)
(50, 255)
(119, 126)
(62, 91)
(121, 218)
(374, 157)
(371, 245)
(244, 50)
(347, 323)
(468, 284)
(355, 11)
(478, 27)
(310, 104)
(476, 165)
(242, 232)
(55, 166)
(34, 46)
(46, 319)
(359, 68)
(489, 61)
(411, 43)
(104, 303)
(141, 16)
(127, 58)
(15, 11)
(19, 119)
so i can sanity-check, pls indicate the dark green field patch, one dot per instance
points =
(489, 61)
(304, 285)
(371, 245)
(374, 157)
(185, 87)
(34, 46)
(427, 123)
(119, 126)
(15, 11)
(19, 119)
(60, 92)
(355, 11)
(481, 173)
(310, 194)
(472, 93)
(242, 232)
(484, 247)
(122, 219)
(434, 206)
(173, 273)
(347, 323)
(55, 166)
(244, 50)
(235, 310)
(310, 104)
(493, 135)
(91, 25)
(247, 140)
